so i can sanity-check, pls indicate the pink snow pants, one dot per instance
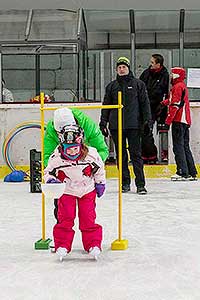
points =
(63, 233)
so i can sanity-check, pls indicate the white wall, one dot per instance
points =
(11, 115)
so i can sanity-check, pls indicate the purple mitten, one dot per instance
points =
(100, 189)
(53, 180)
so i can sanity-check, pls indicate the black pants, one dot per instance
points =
(134, 147)
(149, 149)
(183, 155)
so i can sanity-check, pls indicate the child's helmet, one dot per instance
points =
(71, 140)
(71, 134)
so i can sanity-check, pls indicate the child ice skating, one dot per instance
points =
(82, 170)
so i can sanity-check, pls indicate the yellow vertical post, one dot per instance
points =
(43, 243)
(42, 162)
(120, 244)
(120, 162)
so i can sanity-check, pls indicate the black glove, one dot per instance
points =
(148, 128)
(159, 109)
(104, 129)
(167, 127)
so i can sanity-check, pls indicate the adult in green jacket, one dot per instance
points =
(64, 116)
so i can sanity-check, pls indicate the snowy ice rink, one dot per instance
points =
(161, 263)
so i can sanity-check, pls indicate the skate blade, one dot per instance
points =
(179, 179)
(52, 250)
(94, 257)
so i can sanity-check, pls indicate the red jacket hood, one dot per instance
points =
(178, 74)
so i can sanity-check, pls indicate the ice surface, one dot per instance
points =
(53, 190)
(161, 263)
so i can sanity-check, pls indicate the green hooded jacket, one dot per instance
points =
(92, 136)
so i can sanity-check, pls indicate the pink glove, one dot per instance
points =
(100, 189)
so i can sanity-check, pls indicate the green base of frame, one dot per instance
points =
(43, 244)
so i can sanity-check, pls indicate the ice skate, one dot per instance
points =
(62, 253)
(192, 178)
(52, 249)
(94, 252)
(126, 188)
(141, 190)
(177, 177)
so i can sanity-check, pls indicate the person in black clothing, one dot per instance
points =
(156, 79)
(135, 113)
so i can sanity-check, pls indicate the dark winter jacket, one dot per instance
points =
(136, 107)
(157, 84)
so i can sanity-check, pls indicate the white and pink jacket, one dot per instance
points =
(80, 176)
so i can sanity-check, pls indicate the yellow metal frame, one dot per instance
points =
(150, 171)
(118, 244)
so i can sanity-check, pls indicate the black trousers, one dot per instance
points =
(134, 147)
(149, 149)
(181, 148)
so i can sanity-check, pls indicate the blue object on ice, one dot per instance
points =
(15, 176)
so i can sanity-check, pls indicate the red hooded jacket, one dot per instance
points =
(179, 106)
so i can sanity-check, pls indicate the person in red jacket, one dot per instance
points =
(179, 117)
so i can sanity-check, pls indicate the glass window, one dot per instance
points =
(50, 24)
(12, 24)
(192, 60)
(19, 76)
(58, 76)
(157, 29)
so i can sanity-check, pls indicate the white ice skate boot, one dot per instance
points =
(177, 177)
(52, 249)
(61, 252)
(94, 252)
